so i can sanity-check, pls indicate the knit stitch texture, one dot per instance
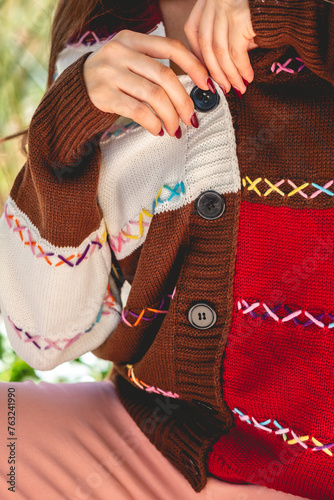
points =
(101, 200)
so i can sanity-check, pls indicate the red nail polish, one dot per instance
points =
(211, 85)
(245, 82)
(161, 133)
(194, 121)
(223, 89)
(178, 133)
(237, 91)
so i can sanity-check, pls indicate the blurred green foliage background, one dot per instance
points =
(24, 53)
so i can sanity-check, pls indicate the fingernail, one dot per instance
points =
(178, 133)
(194, 121)
(223, 89)
(237, 91)
(211, 85)
(245, 82)
(161, 133)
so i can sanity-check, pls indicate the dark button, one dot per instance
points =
(204, 100)
(210, 205)
(189, 464)
(202, 316)
(204, 405)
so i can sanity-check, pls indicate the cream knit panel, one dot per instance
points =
(55, 301)
(136, 165)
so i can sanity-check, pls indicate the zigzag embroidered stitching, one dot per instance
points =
(147, 388)
(108, 301)
(62, 260)
(274, 187)
(292, 316)
(117, 242)
(284, 431)
(141, 317)
(278, 67)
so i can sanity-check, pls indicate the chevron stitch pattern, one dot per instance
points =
(140, 317)
(124, 236)
(320, 320)
(107, 306)
(283, 431)
(36, 249)
(146, 387)
(274, 188)
(278, 67)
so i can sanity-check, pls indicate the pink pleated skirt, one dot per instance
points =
(77, 442)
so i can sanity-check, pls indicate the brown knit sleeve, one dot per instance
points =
(57, 187)
(307, 25)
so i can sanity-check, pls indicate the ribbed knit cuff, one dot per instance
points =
(174, 429)
(75, 120)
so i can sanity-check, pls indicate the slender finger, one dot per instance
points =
(205, 39)
(221, 48)
(164, 78)
(154, 95)
(238, 44)
(159, 47)
(129, 107)
(239, 55)
(169, 110)
(191, 28)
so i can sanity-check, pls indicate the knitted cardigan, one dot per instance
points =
(100, 200)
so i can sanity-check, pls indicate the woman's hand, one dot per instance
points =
(220, 34)
(123, 76)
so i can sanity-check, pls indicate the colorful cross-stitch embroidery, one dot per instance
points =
(95, 39)
(146, 387)
(58, 260)
(283, 431)
(117, 129)
(140, 317)
(106, 308)
(322, 320)
(278, 67)
(118, 241)
(274, 188)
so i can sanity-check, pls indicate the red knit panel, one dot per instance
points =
(251, 456)
(286, 255)
(281, 370)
